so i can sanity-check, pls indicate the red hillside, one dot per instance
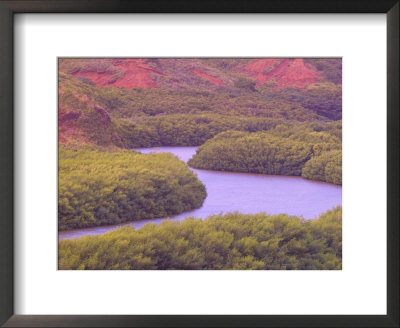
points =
(208, 77)
(285, 72)
(132, 73)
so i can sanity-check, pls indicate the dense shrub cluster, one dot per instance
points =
(331, 68)
(285, 150)
(323, 99)
(233, 241)
(325, 167)
(252, 152)
(74, 65)
(98, 188)
(186, 130)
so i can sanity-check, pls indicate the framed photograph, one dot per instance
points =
(206, 164)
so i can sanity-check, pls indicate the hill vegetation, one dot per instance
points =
(98, 188)
(116, 102)
(232, 241)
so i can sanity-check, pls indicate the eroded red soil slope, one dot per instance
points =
(145, 73)
(131, 73)
(284, 72)
(208, 77)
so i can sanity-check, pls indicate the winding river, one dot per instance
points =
(242, 192)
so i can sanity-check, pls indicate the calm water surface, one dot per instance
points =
(243, 192)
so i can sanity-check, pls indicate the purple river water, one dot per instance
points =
(242, 192)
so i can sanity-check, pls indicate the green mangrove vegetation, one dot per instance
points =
(312, 151)
(186, 130)
(252, 152)
(232, 241)
(98, 188)
(325, 167)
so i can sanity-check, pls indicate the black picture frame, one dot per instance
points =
(10, 7)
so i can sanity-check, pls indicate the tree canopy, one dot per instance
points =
(98, 188)
(233, 241)
(312, 151)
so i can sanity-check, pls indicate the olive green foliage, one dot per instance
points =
(326, 167)
(99, 65)
(323, 99)
(232, 241)
(331, 68)
(311, 150)
(245, 83)
(252, 152)
(143, 117)
(98, 188)
(186, 130)
(136, 102)
(227, 64)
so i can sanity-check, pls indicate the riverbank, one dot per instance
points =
(241, 192)
(233, 241)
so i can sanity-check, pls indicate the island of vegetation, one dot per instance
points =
(99, 188)
(233, 241)
(312, 151)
